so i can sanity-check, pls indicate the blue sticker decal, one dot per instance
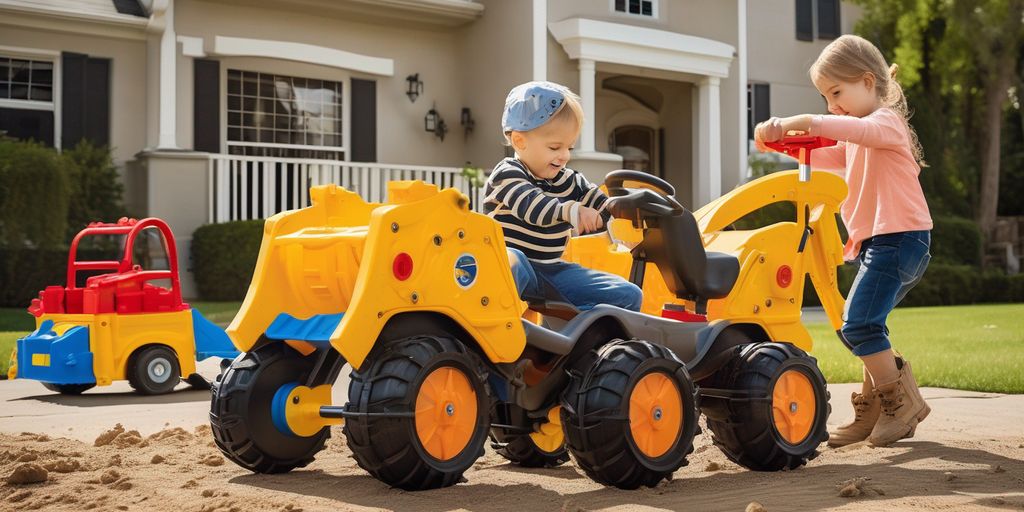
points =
(465, 270)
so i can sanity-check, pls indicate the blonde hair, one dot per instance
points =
(571, 106)
(849, 58)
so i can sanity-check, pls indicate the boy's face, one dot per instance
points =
(545, 150)
(857, 98)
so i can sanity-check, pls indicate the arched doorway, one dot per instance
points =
(638, 146)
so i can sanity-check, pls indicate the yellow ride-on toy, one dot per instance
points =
(416, 295)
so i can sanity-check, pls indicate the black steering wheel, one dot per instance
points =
(636, 194)
(618, 182)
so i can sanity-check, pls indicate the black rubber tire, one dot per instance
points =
(388, 447)
(745, 429)
(595, 414)
(139, 374)
(240, 411)
(522, 451)
(68, 389)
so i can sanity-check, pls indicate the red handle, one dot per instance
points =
(800, 146)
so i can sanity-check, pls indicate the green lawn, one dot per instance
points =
(978, 348)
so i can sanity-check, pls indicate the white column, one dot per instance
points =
(540, 39)
(707, 147)
(588, 70)
(168, 81)
(741, 53)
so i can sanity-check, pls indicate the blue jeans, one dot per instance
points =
(580, 286)
(890, 265)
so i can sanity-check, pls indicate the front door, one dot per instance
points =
(639, 148)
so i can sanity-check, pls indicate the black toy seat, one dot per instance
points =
(676, 247)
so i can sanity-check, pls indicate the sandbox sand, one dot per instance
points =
(968, 456)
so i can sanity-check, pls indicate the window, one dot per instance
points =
(27, 98)
(758, 106)
(827, 14)
(637, 7)
(274, 115)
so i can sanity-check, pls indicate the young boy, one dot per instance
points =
(539, 201)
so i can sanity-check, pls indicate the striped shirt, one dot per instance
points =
(536, 214)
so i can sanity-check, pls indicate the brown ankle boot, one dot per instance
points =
(903, 408)
(866, 408)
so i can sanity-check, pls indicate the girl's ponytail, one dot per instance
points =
(897, 101)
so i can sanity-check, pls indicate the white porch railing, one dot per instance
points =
(256, 187)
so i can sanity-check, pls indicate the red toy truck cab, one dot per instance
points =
(126, 288)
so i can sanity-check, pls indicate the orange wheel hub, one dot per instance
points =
(446, 412)
(655, 414)
(793, 406)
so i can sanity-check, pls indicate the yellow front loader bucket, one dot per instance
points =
(424, 251)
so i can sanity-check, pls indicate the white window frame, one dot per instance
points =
(653, 16)
(52, 106)
(259, 67)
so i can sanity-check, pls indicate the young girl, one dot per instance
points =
(886, 216)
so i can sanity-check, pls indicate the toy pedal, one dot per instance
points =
(197, 381)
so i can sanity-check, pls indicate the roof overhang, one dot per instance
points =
(617, 43)
(67, 17)
(299, 52)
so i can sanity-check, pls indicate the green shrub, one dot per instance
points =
(944, 285)
(96, 189)
(33, 196)
(224, 257)
(956, 241)
(27, 271)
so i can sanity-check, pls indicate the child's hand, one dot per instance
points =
(590, 220)
(768, 131)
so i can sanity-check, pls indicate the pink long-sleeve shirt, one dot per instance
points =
(873, 155)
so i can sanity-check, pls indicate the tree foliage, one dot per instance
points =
(952, 56)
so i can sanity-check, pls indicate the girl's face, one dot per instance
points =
(857, 98)
(545, 149)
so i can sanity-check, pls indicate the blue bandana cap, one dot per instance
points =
(532, 104)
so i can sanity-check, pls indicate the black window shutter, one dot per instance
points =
(85, 100)
(828, 19)
(364, 121)
(97, 101)
(72, 103)
(206, 106)
(805, 20)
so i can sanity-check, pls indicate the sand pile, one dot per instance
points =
(181, 470)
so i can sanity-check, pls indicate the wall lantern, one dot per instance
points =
(467, 121)
(415, 87)
(433, 123)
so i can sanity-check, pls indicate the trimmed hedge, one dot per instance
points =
(947, 285)
(956, 241)
(26, 272)
(34, 195)
(96, 192)
(943, 285)
(224, 257)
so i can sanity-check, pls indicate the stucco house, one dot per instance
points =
(229, 109)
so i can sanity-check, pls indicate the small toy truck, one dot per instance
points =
(118, 320)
